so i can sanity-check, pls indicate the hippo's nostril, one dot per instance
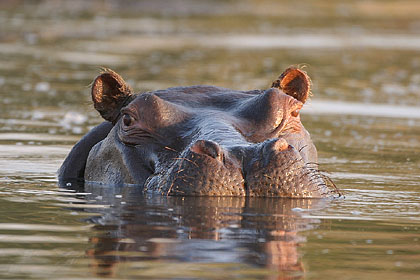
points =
(272, 148)
(275, 145)
(208, 148)
(280, 145)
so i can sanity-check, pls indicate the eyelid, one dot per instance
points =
(129, 111)
(125, 110)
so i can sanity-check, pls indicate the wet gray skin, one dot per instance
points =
(201, 141)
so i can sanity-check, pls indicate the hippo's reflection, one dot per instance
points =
(257, 232)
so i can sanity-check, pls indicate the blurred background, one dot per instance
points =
(363, 57)
(364, 51)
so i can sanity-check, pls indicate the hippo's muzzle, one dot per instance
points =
(269, 169)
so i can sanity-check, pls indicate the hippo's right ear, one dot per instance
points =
(109, 94)
(294, 82)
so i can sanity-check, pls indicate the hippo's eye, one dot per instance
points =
(127, 120)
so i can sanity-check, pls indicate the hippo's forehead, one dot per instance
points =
(178, 111)
(213, 113)
(203, 96)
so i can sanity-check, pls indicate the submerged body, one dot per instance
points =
(201, 140)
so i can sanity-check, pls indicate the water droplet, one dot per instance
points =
(26, 87)
(52, 131)
(42, 87)
(74, 118)
(398, 264)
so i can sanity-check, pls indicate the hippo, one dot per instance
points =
(200, 141)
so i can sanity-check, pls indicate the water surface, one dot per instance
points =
(363, 58)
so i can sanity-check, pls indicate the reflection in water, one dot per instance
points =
(158, 230)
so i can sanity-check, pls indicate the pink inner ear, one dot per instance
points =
(294, 82)
(97, 90)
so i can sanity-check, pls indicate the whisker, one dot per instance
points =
(313, 162)
(171, 186)
(329, 180)
(326, 182)
(171, 149)
(188, 161)
(302, 148)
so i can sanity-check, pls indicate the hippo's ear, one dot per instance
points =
(109, 94)
(294, 82)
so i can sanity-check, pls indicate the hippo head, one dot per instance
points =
(204, 140)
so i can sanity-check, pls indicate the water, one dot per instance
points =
(363, 57)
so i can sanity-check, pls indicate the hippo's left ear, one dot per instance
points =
(294, 82)
(109, 94)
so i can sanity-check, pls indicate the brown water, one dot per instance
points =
(364, 59)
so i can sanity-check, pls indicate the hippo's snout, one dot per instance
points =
(280, 171)
(205, 169)
(270, 169)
